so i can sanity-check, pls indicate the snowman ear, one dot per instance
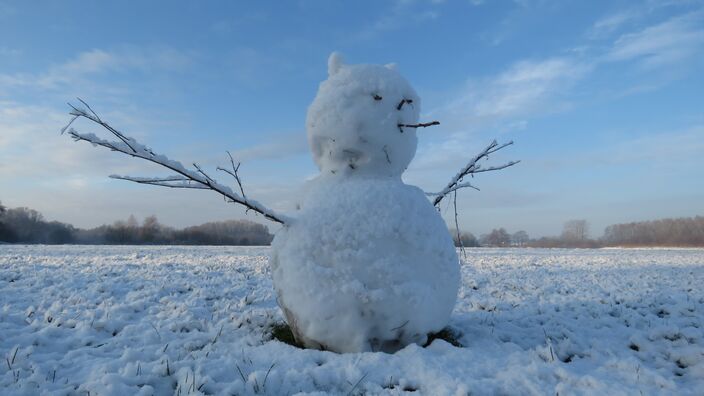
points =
(391, 66)
(335, 63)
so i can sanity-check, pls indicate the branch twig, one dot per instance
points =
(471, 168)
(455, 188)
(419, 125)
(457, 226)
(184, 178)
(234, 173)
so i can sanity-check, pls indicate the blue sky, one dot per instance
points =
(604, 100)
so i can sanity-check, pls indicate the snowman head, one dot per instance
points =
(355, 122)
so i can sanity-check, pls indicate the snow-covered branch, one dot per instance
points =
(184, 178)
(471, 168)
(455, 188)
(173, 181)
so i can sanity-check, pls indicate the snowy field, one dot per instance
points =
(84, 320)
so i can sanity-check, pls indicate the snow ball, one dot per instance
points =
(354, 123)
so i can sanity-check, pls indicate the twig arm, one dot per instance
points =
(184, 178)
(471, 168)
(453, 189)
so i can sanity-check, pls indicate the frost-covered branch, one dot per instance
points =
(184, 178)
(471, 168)
(173, 182)
(234, 173)
(455, 188)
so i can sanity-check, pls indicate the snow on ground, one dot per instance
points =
(79, 320)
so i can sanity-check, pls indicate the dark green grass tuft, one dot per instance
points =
(282, 332)
(448, 335)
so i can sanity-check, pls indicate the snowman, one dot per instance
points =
(368, 264)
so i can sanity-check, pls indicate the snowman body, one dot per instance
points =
(368, 263)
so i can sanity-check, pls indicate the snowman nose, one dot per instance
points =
(419, 125)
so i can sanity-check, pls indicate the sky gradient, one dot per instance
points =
(604, 100)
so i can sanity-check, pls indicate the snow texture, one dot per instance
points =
(368, 264)
(353, 122)
(131, 320)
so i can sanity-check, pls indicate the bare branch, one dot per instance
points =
(172, 182)
(457, 226)
(493, 168)
(184, 178)
(69, 123)
(94, 117)
(471, 168)
(453, 189)
(234, 173)
(419, 125)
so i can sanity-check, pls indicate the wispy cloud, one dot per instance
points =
(613, 22)
(279, 147)
(32, 147)
(532, 88)
(88, 64)
(402, 13)
(672, 147)
(526, 88)
(675, 40)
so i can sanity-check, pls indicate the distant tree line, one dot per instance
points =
(23, 225)
(687, 231)
(678, 232)
(575, 234)
(496, 238)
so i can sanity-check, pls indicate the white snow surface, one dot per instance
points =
(352, 124)
(368, 265)
(80, 320)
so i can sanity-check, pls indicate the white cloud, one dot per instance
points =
(532, 88)
(611, 23)
(279, 146)
(673, 41)
(32, 148)
(527, 88)
(670, 148)
(403, 13)
(81, 69)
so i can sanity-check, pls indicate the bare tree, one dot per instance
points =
(497, 237)
(520, 238)
(150, 229)
(688, 231)
(575, 230)
(466, 239)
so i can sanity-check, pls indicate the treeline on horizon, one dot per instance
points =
(24, 225)
(677, 232)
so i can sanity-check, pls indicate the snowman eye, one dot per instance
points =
(377, 97)
(402, 102)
